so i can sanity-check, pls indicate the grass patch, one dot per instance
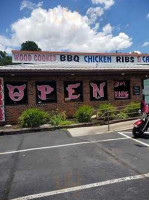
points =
(67, 122)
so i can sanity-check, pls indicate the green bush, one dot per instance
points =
(33, 117)
(56, 118)
(132, 109)
(84, 113)
(121, 115)
(105, 109)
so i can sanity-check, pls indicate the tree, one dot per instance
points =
(5, 59)
(30, 46)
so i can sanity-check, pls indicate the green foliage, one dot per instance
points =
(132, 108)
(84, 113)
(30, 46)
(105, 109)
(67, 122)
(121, 115)
(5, 59)
(33, 117)
(57, 118)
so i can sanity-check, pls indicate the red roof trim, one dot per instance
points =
(78, 53)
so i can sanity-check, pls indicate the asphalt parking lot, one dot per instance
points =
(56, 166)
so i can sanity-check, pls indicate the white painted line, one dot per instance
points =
(138, 141)
(131, 132)
(82, 187)
(59, 146)
(127, 132)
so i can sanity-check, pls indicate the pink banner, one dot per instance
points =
(2, 108)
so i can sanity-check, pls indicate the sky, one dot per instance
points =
(75, 25)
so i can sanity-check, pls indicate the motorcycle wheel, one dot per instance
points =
(137, 132)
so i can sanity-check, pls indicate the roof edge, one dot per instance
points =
(79, 53)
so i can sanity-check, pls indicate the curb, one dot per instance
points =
(52, 128)
(39, 129)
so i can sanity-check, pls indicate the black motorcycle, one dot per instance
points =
(141, 126)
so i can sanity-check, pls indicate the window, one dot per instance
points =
(15, 93)
(121, 90)
(98, 90)
(73, 91)
(46, 92)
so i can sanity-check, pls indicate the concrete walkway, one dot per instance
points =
(95, 130)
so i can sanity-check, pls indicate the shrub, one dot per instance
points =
(132, 109)
(121, 115)
(84, 113)
(106, 108)
(33, 117)
(56, 117)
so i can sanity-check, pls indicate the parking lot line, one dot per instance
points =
(83, 187)
(147, 145)
(59, 146)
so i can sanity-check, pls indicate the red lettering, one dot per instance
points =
(54, 58)
(35, 57)
(16, 96)
(98, 92)
(39, 57)
(43, 58)
(21, 57)
(119, 83)
(1, 114)
(44, 89)
(29, 57)
(51, 58)
(1, 99)
(122, 94)
(139, 59)
(16, 57)
(71, 91)
(25, 57)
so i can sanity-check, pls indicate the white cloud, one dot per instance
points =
(59, 29)
(107, 29)
(147, 16)
(96, 27)
(29, 5)
(137, 52)
(145, 44)
(107, 3)
(94, 13)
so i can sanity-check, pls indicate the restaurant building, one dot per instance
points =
(65, 81)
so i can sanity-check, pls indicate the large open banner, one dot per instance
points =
(2, 107)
